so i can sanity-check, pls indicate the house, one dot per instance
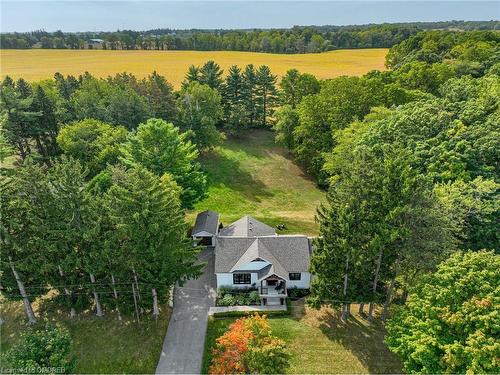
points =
(206, 227)
(250, 254)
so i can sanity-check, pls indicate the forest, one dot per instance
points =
(97, 175)
(299, 39)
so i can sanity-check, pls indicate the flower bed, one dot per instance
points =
(237, 297)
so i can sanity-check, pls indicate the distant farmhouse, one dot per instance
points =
(250, 254)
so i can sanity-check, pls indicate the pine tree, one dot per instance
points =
(192, 75)
(266, 94)
(44, 128)
(159, 254)
(211, 75)
(235, 115)
(249, 95)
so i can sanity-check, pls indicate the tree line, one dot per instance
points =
(299, 39)
(102, 177)
(409, 158)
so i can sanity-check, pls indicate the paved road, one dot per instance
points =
(182, 350)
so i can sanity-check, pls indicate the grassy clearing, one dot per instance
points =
(253, 176)
(101, 345)
(35, 64)
(320, 343)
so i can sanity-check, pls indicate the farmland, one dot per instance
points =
(38, 64)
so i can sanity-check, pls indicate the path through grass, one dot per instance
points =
(253, 176)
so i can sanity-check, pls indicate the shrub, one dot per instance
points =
(227, 300)
(249, 347)
(254, 297)
(296, 293)
(44, 348)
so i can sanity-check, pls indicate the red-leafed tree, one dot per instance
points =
(249, 347)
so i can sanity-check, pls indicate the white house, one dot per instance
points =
(250, 254)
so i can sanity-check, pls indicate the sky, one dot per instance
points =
(144, 15)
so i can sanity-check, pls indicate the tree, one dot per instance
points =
(6, 149)
(199, 111)
(449, 324)
(192, 75)
(211, 75)
(117, 104)
(287, 120)
(266, 94)
(44, 128)
(43, 348)
(94, 143)
(250, 94)
(233, 101)
(294, 86)
(474, 207)
(159, 95)
(249, 347)
(148, 231)
(340, 101)
(160, 147)
(18, 119)
(381, 221)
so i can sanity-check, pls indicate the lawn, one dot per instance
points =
(253, 176)
(101, 345)
(320, 343)
(35, 64)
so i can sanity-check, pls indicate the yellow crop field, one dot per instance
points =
(36, 64)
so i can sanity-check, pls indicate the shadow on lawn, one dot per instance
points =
(224, 171)
(364, 340)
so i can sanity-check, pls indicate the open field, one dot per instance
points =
(35, 64)
(101, 345)
(320, 343)
(253, 176)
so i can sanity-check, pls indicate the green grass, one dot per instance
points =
(320, 343)
(253, 176)
(101, 345)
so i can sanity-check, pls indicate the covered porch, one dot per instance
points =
(272, 290)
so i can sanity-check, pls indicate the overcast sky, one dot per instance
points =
(143, 15)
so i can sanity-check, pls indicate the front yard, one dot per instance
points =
(101, 345)
(320, 343)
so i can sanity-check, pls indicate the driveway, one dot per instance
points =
(184, 343)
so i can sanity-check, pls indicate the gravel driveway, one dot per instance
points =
(182, 351)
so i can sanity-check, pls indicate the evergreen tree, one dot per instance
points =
(23, 88)
(266, 94)
(249, 94)
(160, 147)
(159, 95)
(149, 230)
(233, 103)
(19, 118)
(192, 75)
(44, 128)
(211, 75)
(382, 220)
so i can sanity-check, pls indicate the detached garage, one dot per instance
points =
(206, 228)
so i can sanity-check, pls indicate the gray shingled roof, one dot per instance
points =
(285, 253)
(247, 226)
(206, 221)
